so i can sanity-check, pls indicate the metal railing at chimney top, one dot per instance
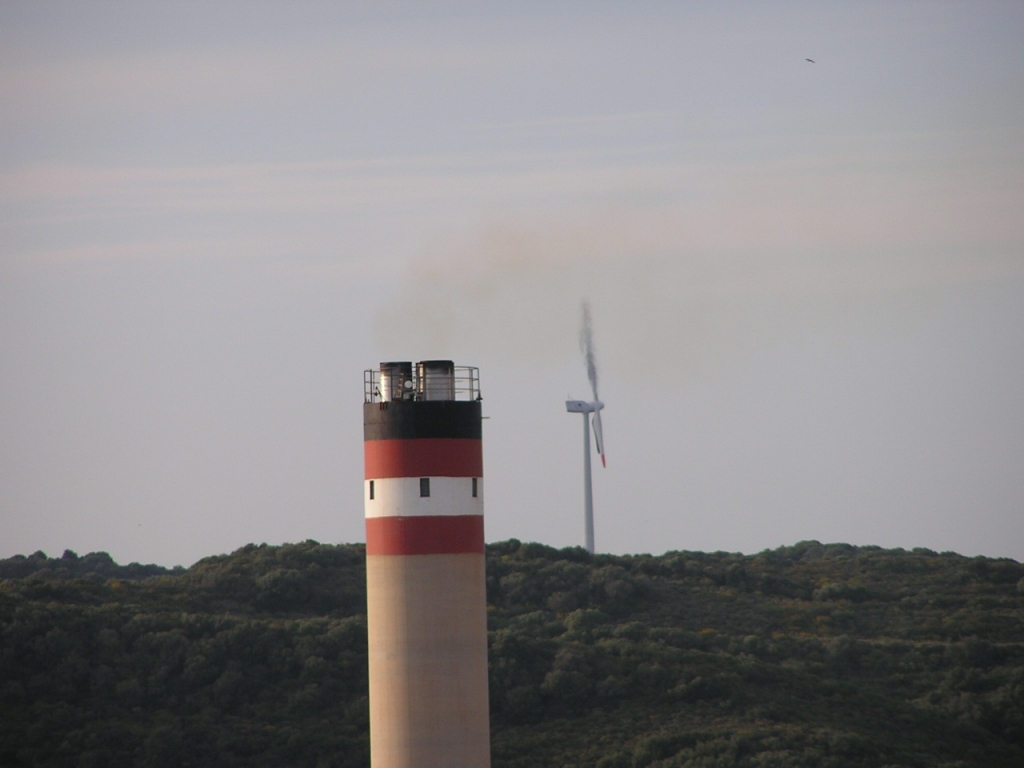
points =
(465, 381)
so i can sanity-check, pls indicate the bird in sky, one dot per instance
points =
(810, 60)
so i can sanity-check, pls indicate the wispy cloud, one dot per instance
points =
(768, 196)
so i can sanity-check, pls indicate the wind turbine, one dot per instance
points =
(592, 407)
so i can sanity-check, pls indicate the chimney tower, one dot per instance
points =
(426, 593)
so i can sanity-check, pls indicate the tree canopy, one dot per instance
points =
(809, 655)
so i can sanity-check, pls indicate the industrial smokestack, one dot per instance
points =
(426, 594)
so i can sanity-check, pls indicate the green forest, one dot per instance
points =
(809, 655)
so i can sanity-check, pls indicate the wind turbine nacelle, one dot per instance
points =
(582, 406)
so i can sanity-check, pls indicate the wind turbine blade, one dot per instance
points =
(599, 436)
(587, 347)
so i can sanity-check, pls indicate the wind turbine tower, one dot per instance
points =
(582, 406)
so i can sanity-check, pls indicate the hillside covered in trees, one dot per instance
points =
(810, 655)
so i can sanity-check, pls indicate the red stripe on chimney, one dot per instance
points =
(426, 457)
(438, 535)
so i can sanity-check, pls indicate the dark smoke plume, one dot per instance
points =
(587, 347)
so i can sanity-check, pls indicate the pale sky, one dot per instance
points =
(807, 279)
